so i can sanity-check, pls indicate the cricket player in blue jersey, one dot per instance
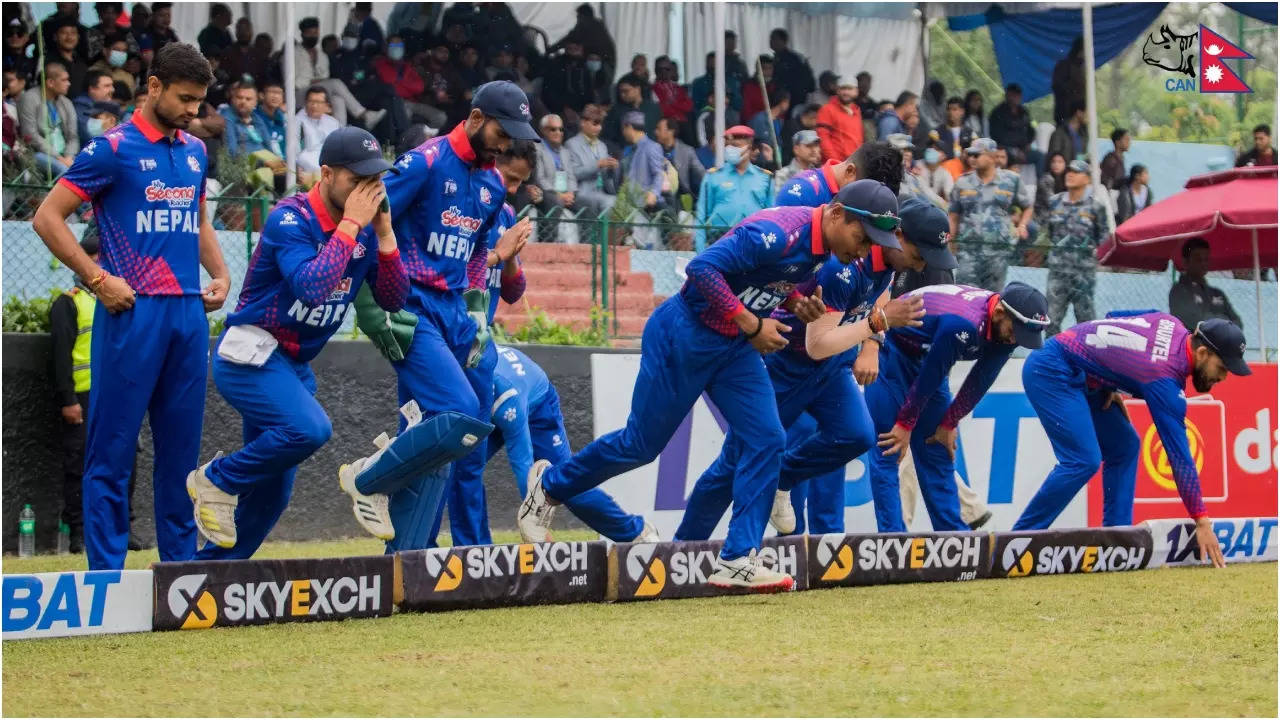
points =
(468, 513)
(146, 180)
(443, 203)
(911, 402)
(871, 161)
(814, 375)
(710, 338)
(316, 251)
(527, 420)
(1074, 384)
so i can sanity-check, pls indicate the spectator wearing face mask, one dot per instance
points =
(732, 192)
(404, 79)
(108, 30)
(311, 69)
(112, 64)
(99, 88)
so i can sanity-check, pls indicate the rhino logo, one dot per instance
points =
(1175, 53)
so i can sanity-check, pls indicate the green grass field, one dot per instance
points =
(1179, 642)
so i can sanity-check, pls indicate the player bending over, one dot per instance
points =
(911, 402)
(710, 337)
(1072, 383)
(318, 249)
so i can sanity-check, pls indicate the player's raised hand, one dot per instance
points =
(115, 294)
(382, 218)
(215, 293)
(1210, 550)
(770, 339)
(895, 441)
(363, 202)
(511, 243)
(905, 311)
(809, 309)
(946, 437)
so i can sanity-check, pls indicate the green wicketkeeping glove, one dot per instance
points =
(391, 333)
(478, 308)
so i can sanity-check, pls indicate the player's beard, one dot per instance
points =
(178, 122)
(1200, 381)
(484, 154)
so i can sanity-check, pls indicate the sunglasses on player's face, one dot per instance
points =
(884, 221)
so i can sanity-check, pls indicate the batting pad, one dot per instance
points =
(415, 506)
(419, 451)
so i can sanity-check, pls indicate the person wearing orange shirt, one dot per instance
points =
(840, 123)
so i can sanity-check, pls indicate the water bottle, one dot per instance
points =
(26, 532)
(64, 539)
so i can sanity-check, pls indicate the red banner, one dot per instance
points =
(1233, 439)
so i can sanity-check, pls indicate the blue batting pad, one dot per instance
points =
(420, 450)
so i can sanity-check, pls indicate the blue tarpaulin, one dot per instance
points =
(1028, 45)
(1266, 12)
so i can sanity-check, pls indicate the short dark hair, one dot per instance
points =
(904, 97)
(631, 79)
(121, 94)
(955, 100)
(92, 77)
(308, 23)
(1117, 134)
(1263, 128)
(217, 9)
(1013, 88)
(863, 74)
(672, 124)
(879, 161)
(810, 108)
(117, 6)
(158, 6)
(269, 83)
(778, 96)
(781, 34)
(1136, 170)
(521, 150)
(585, 10)
(1194, 243)
(314, 90)
(364, 7)
(241, 85)
(180, 62)
(1075, 107)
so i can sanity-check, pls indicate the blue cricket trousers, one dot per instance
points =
(829, 394)
(283, 425)
(550, 441)
(1083, 436)
(680, 357)
(153, 359)
(468, 511)
(820, 497)
(934, 467)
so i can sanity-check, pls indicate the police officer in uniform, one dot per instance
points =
(731, 193)
(71, 328)
(990, 209)
(1077, 222)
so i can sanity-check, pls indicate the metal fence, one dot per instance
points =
(659, 244)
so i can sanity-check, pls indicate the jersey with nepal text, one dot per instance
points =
(518, 386)
(442, 207)
(809, 188)
(513, 289)
(303, 276)
(1147, 355)
(756, 265)
(957, 326)
(850, 289)
(146, 191)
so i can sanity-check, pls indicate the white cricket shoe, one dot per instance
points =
(648, 535)
(373, 512)
(534, 516)
(783, 515)
(747, 572)
(213, 508)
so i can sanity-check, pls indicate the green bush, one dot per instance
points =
(542, 330)
(28, 316)
(217, 325)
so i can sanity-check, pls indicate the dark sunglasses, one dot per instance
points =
(886, 221)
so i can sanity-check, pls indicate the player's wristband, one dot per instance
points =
(884, 321)
(353, 222)
(98, 280)
(759, 327)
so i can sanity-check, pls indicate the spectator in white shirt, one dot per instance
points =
(312, 69)
(316, 123)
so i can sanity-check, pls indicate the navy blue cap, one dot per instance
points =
(1030, 312)
(928, 228)
(355, 149)
(1227, 340)
(874, 197)
(507, 103)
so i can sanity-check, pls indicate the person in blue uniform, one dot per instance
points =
(527, 421)
(146, 181)
(911, 403)
(445, 200)
(709, 338)
(316, 251)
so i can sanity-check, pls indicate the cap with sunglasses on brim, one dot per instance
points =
(928, 228)
(981, 145)
(1078, 166)
(876, 207)
(355, 149)
(1225, 339)
(1030, 312)
(505, 102)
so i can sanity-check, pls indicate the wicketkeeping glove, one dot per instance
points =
(478, 308)
(391, 333)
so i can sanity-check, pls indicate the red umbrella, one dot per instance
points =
(1225, 208)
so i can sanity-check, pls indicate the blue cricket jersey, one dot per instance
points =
(443, 206)
(303, 276)
(755, 266)
(513, 290)
(851, 289)
(1147, 355)
(957, 326)
(809, 188)
(518, 385)
(146, 189)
